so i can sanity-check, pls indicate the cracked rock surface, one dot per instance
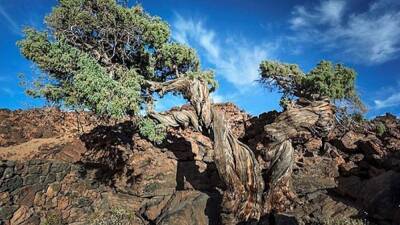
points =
(49, 167)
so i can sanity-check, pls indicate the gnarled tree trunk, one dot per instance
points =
(241, 173)
(302, 119)
(236, 163)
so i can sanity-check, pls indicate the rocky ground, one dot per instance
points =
(54, 170)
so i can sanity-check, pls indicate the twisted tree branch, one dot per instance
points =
(236, 163)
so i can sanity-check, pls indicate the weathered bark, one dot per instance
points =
(279, 171)
(239, 170)
(302, 119)
(176, 119)
(195, 91)
(236, 163)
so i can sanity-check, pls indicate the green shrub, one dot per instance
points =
(152, 131)
(358, 117)
(380, 128)
(117, 216)
(53, 219)
(152, 187)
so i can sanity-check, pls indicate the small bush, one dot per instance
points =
(53, 219)
(358, 117)
(152, 187)
(380, 128)
(152, 131)
(116, 216)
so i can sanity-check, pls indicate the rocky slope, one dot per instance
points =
(55, 170)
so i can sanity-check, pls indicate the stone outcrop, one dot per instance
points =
(57, 172)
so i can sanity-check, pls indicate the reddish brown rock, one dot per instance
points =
(350, 139)
(111, 166)
(313, 144)
(62, 203)
(21, 215)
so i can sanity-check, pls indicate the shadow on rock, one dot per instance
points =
(254, 130)
(195, 174)
(108, 148)
(370, 176)
(191, 173)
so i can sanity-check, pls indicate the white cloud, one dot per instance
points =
(235, 59)
(370, 37)
(10, 21)
(332, 11)
(218, 98)
(392, 100)
(389, 97)
(189, 29)
(384, 4)
(328, 12)
(379, 37)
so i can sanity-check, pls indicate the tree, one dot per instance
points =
(97, 55)
(101, 56)
(325, 80)
(308, 112)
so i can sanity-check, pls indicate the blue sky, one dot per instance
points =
(232, 37)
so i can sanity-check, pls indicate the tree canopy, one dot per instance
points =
(335, 81)
(99, 55)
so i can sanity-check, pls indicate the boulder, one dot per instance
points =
(189, 208)
(21, 215)
(349, 140)
(380, 195)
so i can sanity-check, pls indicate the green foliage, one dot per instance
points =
(97, 53)
(284, 102)
(358, 117)
(152, 131)
(76, 79)
(105, 95)
(207, 76)
(176, 57)
(325, 80)
(333, 81)
(284, 76)
(152, 187)
(117, 216)
(53, 219)
(103, 25)
(380, 128)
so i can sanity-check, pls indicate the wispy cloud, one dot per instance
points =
(234, 58)
(390, 97)
(369, 37)
(217, 98)
(11, 23)
(328, 12)
(392, 100)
